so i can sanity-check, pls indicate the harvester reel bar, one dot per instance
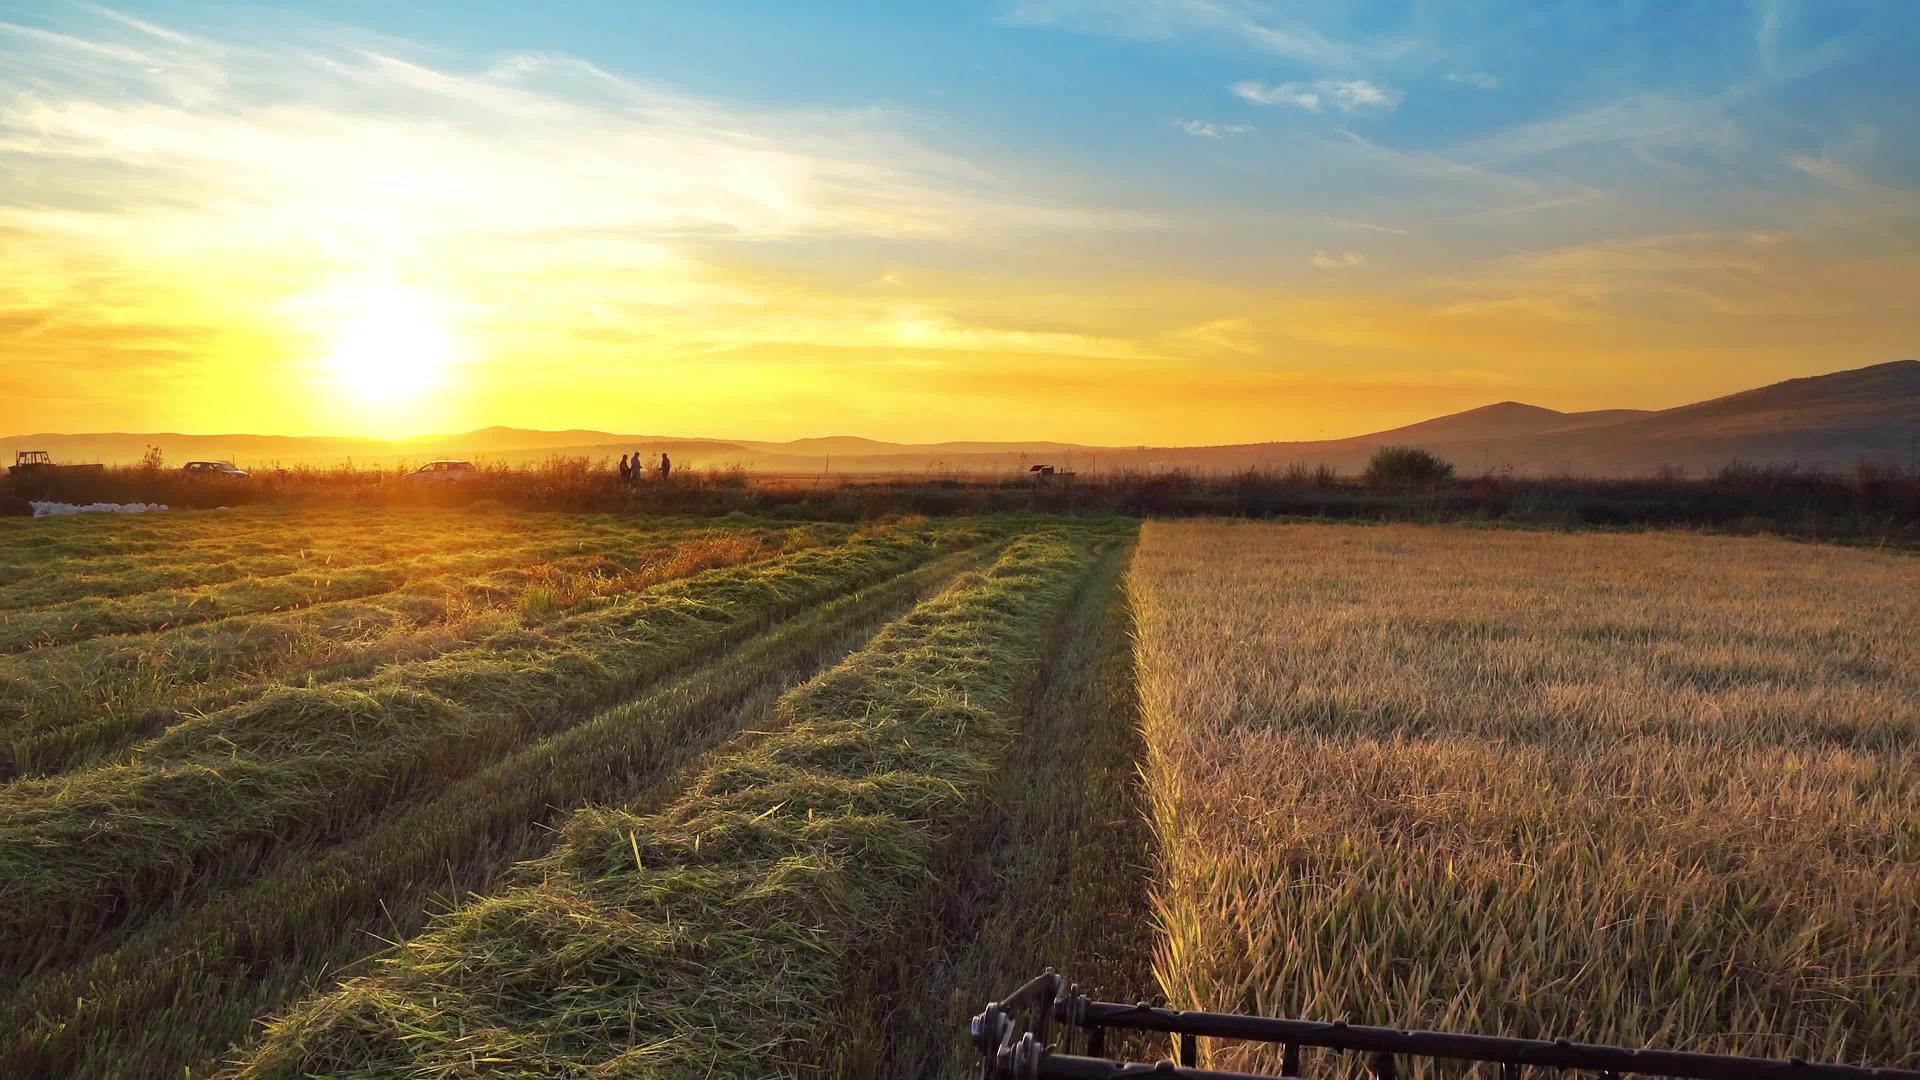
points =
(1015, 1038)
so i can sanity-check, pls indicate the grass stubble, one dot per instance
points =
(1652, 789)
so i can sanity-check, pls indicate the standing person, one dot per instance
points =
(666, 466)
(638, 465)
(626, 471)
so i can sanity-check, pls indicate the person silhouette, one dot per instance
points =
(626, 470)
(666, 466)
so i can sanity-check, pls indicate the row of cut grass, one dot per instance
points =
(1639, 789)
(175, 996)
(93, 616)
(84, 544)
(89, 700)
(91, 851)
(720, 935)
(1052, 868)
(210, 549)
(218, 548)
(56, 585)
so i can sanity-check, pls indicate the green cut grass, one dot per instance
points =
(718, 936)
(95, 698)
(87, 852)
(175, 996)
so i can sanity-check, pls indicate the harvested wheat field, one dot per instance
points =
(1648, 789)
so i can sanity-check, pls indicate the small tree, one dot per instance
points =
(1406, 466)
(152, 461)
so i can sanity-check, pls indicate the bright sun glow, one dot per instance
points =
(392, 344)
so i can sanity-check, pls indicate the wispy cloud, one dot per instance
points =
(1828, 171)
(1339, 260)
(1208, 129)
(1347, 95)
(1479, 80)
(1366, 226)
(163, 126)
(1237, 335)
(171, 200)
(1234, 22)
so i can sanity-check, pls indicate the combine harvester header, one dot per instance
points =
(1049, 1029)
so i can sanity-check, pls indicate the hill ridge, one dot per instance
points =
(1830, 420)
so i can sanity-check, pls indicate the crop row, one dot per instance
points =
(87, 699)
(261, 548)
(62, 548)
(176, 995)
(730, 932)
(90, 616)
(103, 848)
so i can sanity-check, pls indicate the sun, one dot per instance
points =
(392, 343)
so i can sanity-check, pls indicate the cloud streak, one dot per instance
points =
(1233, 22)
(1346, 95)
(1208, 129)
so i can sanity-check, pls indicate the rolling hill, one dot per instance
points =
(1827, 421)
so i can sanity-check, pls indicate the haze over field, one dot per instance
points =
(1146, 222)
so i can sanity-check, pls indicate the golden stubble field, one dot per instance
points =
(1650, 789)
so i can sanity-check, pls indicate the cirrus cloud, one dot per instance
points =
(1208, 129)
(1347, 95)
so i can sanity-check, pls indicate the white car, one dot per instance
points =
(443, 472)
(214, 468)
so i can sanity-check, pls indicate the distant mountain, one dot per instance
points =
(1825, 421)
(1508, 418)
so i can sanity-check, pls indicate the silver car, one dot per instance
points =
(443, 472)
(214, 468)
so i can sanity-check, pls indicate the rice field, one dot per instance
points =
(1643, 789)
(454, 793)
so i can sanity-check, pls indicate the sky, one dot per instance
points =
(1131, 222)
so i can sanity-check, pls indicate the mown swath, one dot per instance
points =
(205, 551)
(104, 848)
(646, 945)
(92, 615)
(174, 997)
(1051, 865)
(121, 686)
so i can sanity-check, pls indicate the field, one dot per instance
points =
(247, 750)
(432, 792)
(1653, 789)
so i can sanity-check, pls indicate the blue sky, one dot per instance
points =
(1204, 219)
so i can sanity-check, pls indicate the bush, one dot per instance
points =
(1406, 466)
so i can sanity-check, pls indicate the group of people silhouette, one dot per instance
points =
(633, 470)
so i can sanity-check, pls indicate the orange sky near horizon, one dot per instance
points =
(342, 233)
